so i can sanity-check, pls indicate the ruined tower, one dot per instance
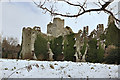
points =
(28, 38)
(100, 30)
(56, 28)
(85, 31)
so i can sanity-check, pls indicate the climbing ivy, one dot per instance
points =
(95, 53)
(56, 46)
(40, 47)
(69, 50)
(83, 49)
(112, 36)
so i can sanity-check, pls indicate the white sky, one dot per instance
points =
(16, 15)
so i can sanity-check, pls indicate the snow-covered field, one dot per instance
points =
(12, 68)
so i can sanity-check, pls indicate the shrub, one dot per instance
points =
(113, 57)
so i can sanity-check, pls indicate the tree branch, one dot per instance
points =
(102, 8)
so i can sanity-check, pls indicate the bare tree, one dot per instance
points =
(12, 41)
(10, 46)
(102, 5)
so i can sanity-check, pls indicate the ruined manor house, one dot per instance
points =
(56, 29)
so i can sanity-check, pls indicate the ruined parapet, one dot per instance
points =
(94, 33)
(100, 27)
(85, 31)
(100, 30)
(56, 28)
(67, 30)
(28, 38)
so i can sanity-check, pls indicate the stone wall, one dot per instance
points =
(28, 39)
(57, 29)
(100, 30)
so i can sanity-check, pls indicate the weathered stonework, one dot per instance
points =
(85, 31)
(28, 38)
(54, 30)
(100, 30)
(57, 29)
(80, 38)
(77, 46)
(50, 53)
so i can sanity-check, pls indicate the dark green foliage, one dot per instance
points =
(83, 49)
(94, 54)
(56, 46)
(102, 37)
(100, 54)
(113, 35)
(93, 43)
(113, 57)
(40, 47)
(69, 50)
(92, 51)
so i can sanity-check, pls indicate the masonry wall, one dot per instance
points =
(56, 28)
(28, 38)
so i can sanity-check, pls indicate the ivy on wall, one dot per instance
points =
(112, 36)
(40, 47)
(95, 53)
(83, 49)
(69, 50)
(56, 46)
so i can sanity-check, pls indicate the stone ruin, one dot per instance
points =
(57, 29)
(98, 32)
(28, 38)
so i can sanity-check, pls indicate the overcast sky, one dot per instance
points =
(16, 15)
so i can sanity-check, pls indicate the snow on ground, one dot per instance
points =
(12, 68)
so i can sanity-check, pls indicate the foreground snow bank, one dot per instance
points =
(56, 69)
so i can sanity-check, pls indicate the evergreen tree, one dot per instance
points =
(56, 46)
(100, 54)
(40, 47)
(83, 48)
(112, 36)
(95, 53)
(92, 51)
(69, 50)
